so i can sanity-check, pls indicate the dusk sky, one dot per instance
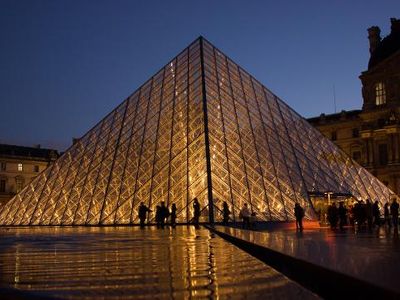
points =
(64, 65)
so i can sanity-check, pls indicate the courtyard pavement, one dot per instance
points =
(372, 257)
(127, 262)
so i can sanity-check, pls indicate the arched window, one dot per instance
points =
(356, 152)
(380, 93)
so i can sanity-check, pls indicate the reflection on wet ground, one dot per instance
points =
(126, 262)
(370, 256)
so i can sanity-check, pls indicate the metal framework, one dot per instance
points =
(203, 128)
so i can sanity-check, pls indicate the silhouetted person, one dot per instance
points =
(164, 213)
(196, 212)
(225, 213)
(394, 211)
(333, 215)
(245, 216)
(143, 210)
(173, 215)
(386, 214)
(299, 214)
(376, 213)
(350, 211)
(368, 213)
(342, 212)
(359, 214)
(158, 216)
(356, 213)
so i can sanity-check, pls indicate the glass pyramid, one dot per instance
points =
(203, 128)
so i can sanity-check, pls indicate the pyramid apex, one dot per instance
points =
(201, 39)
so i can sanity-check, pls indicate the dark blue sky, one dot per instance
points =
(65, 64)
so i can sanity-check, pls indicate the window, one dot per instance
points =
(383, 154)
(381, 122)
(36, 169)
(19, 184)
(357, 156)
(356, 133)
(380, 93)
(19, 167)
(333, 136)
(3, 166)
(2, 186)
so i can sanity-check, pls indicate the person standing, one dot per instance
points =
(368, 213)
(173, 215)
(394, 211)
(143, 210)
(245, 216)
(363, 215)
(376, 213)
(196, 212)
(350, 211)
(158, 216)
(225, 212)
(164, 213)
(386, 214)
(299, 214)
(333, 215)
(357, 214)
(342, 211)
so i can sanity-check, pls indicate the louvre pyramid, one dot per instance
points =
(201, 127)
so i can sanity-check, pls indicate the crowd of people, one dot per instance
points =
(363, 214)
(163, 214)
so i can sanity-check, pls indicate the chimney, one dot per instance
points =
(395, 28)
(374, 36)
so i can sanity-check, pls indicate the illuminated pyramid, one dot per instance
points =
(201, 127)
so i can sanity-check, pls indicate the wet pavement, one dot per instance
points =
(372, 257)
(126, 262)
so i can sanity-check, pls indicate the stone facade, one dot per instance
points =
(19, 165)
(371, 136)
